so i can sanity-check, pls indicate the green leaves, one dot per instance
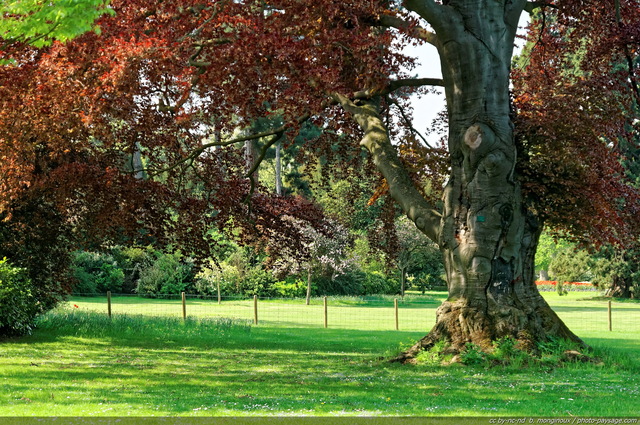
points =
(40, 23)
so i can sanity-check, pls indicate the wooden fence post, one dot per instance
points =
(610, 324)
(255, 309)
(109, 303)
(184, 306)
(395, 307)
(326, 321)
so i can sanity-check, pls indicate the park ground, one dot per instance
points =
(81, 363)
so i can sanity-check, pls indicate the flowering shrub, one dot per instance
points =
(550, 285)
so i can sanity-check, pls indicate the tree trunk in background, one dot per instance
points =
(250, 157)
(403, 281)
(620, 288)
(278, 169)
(138, 167)
(308, 300)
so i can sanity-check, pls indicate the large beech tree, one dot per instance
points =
(177, 82)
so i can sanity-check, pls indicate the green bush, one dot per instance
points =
(257, 282)
(351, 283)
(472, 355)
(96, 273)
(376, 283)
(168, 274)
(18, 306)
(132, 261)
(290, 288)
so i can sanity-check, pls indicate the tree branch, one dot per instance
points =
(533, 5)
(401, 187)
(408, 122)
(196, 152)
(417, 32)
(398, 84)
(627, 53)
(429, 10)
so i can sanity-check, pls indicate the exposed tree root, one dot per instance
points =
(460, 323)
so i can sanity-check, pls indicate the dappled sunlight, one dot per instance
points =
(278, 371)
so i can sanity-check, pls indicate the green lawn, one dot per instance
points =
(81, 364)
(582, 311)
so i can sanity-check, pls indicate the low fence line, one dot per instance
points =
(356, 314)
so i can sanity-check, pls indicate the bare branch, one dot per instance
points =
(196, 152)
(408, 122)
(414, 82)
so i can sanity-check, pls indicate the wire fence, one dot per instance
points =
(376, 313)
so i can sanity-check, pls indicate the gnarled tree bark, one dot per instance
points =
(486, 233)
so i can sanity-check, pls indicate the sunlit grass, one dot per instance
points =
(81, 364)
(583, 312)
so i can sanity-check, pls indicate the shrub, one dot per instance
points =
(472, 355)
(132, 261)
(96, 273)
(227, 276)
(168, 274)
(18, 306)
(351, 283)
(290, 288)
(376, 283)
(257, 282)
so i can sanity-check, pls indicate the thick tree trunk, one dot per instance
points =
(487, 237)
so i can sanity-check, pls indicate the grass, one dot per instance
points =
(580, 310)
(80, 363)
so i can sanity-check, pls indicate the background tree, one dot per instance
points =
(39, 24)
(415, 253)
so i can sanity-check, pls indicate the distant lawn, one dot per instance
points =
(83, 364)
(584, 312)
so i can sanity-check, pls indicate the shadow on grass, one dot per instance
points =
(285, 371)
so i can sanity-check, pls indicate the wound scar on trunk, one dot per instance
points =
(473, 137)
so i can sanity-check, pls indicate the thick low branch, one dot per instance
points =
(398, 84)
(401, 187)
(429, 10)
(417, 32)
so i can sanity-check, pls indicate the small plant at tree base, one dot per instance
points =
(473, 355)
(506, 352)
(433, 356)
